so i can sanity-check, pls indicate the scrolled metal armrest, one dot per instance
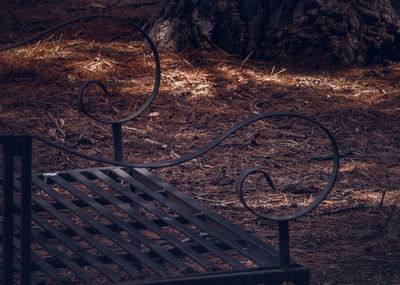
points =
(249, 171)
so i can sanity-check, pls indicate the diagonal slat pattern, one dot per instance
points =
(122, 225)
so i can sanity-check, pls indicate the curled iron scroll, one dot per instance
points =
(249, 171)
(91, 82)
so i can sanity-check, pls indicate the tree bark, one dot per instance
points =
(393, 225)
(344, 32)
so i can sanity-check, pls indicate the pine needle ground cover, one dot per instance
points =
(202, 94)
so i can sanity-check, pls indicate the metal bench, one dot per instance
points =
(123, 225)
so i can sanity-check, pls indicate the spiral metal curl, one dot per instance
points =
(243, 175)
(249, 171)
(90, 82)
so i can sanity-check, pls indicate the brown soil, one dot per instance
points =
(202, 94)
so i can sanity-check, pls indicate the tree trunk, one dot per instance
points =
(344, 32)
(393, 225)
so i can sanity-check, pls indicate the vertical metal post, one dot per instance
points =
(8, 209)
(117, 136)
(284, 246)
(26, 161)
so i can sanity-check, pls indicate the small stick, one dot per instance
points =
(49, 94)
(347, 209)
(272, 70)
(290, 134)
(279, 72)
(156, 143)
(112, 4)
(247, 57)
(58, 126)
(142, 4)
(330, 156)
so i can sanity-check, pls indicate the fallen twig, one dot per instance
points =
(330, 156)
(58, 127)
(156, 143)
(247, 57)
(346, 209)
(113, 3)
(141, 4)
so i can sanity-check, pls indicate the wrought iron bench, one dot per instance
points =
(123, 225)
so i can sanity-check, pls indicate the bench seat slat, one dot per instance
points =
(89, 238)
(100, 227)
(37, 260)
(210, 229)
(255, 244)
(64, 259)
(124, 225)
(171, 221)
(133, 213)
(90, 258)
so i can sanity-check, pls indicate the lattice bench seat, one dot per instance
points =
(113, 224)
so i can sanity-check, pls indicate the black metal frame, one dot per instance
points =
(219, 237)
(17, 212)
(16, 146)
